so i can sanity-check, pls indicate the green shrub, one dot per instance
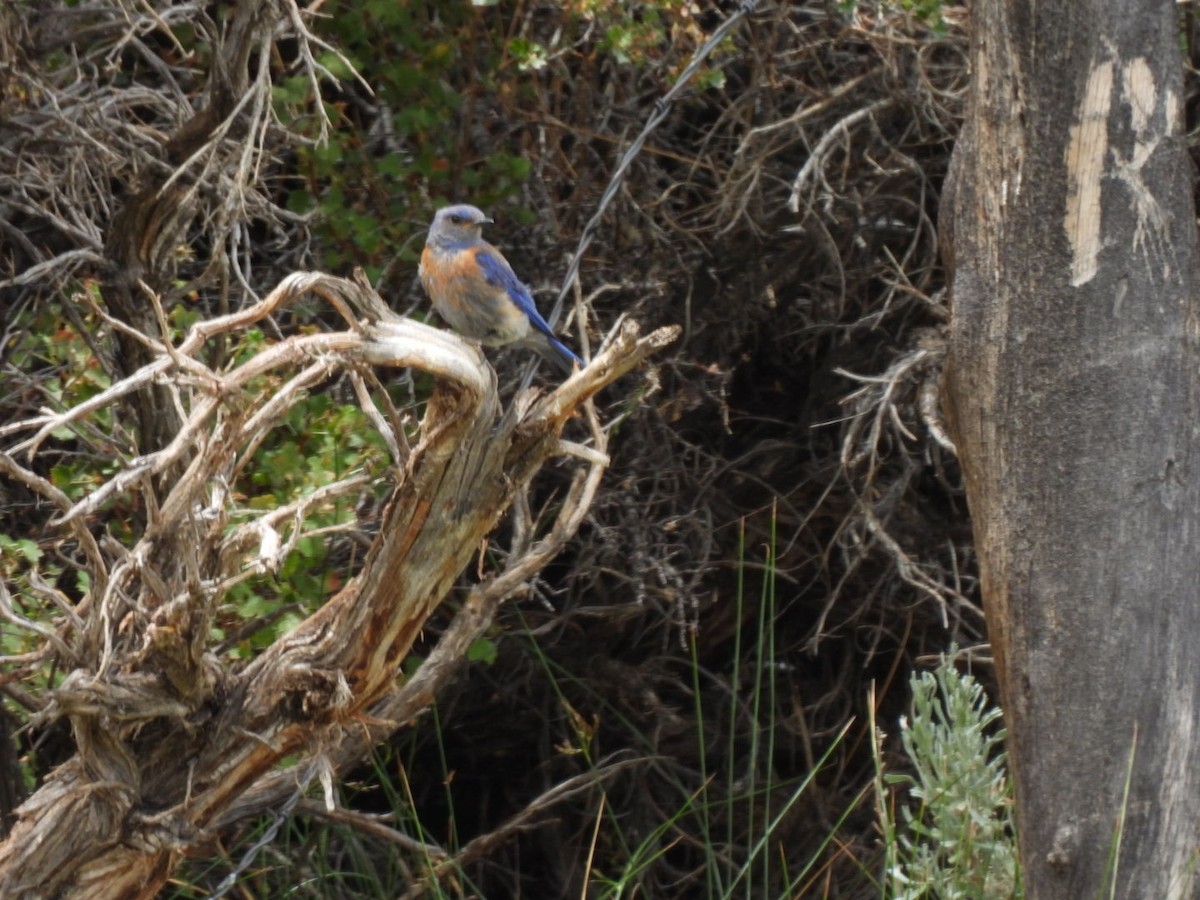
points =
(955, 837)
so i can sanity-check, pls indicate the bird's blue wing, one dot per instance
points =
(497, 271)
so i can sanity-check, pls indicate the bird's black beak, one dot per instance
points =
(487, 220)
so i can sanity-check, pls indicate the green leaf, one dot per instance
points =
(482, 650)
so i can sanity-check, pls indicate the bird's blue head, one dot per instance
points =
(456, 226)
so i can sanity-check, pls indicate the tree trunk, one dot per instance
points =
(1073, 391)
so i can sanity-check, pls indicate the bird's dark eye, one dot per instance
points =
(457, 220)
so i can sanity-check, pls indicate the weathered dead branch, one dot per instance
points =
(170, 739)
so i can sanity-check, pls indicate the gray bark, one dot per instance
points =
(1073, 393)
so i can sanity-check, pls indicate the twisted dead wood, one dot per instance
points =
(169, 738)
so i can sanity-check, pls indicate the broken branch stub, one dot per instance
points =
(169, 736)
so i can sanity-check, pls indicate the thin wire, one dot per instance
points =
(281, 816)
(662, 108)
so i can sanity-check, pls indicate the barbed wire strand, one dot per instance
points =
(281, 815)
(662, 108)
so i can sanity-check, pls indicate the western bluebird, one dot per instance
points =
(474, 289)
